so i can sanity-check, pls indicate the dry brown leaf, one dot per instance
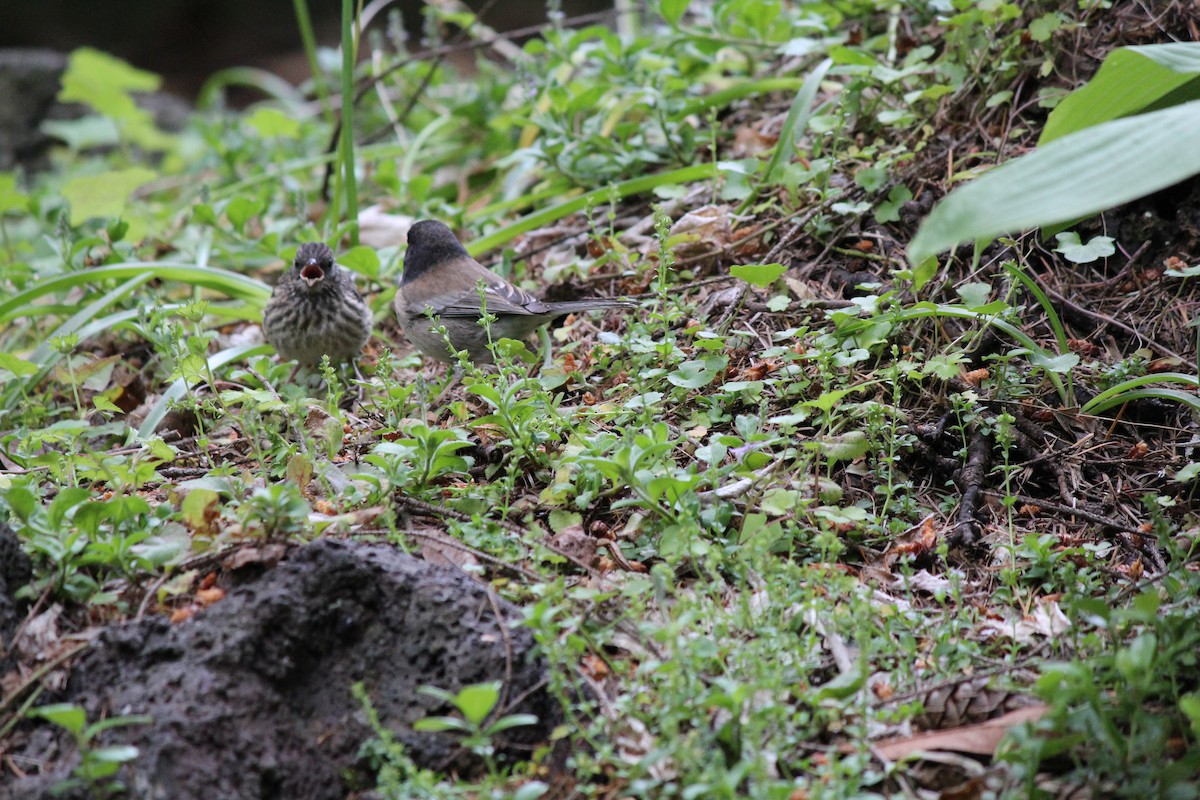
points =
(704, 229)
(267, 555)
(976, 376)
(438, 548)
(182, 614)
(206, 597)
(575, 544)
(980, 739)
(595, 667)
(750, 141)
(39, 636)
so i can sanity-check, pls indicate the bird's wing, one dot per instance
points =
(501, 298)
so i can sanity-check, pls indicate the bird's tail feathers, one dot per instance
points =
(594, 303)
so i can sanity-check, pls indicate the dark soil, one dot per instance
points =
(251, 698)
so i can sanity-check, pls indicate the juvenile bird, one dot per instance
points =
(315, 310)
(441, 278)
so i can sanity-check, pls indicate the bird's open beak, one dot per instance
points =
(312, 274)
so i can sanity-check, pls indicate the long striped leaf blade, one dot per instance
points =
(1073, 177)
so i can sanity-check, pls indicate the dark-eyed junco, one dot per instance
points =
(441, 278)
(315, 310)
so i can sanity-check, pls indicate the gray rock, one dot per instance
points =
(29, 81)
(15, 571)
(251, 698)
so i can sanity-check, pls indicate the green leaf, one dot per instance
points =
(271, 122)
(843, 447)
(17, 366)
(974, 295)
(672, 10)
(923, 273)
(362, 259)
(1042, 28)
(1052, 363)
(440, 724)
(695, 374)
(889, 210)
(760, 275)
(65, 715)
(777, 502)
(1073, 177)
(1131, 79)
(116, 754)
(512, 721)
(1188, 473)
(104, 82)
(102, 403)
(104, 195)
(1098, 247)
(11, 198)
(1135, 660)
(827, 401)
(240, 209)
(844, 686)
(1189, 704)
(478, 700)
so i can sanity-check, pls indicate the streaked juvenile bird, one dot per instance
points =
(441, 278)
(315, 310)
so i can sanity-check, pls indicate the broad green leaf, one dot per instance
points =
(105, 83)
(17, 366)
(672, 10)
(271, 122)
(827, 401)
(844, 686)
(760, 275)
(102, 403)
(777, 502)
(1043, 27)
(240, 210)
(65, 715)
(104, 195)
(843, 447)
(1098, 247)
(1073, 177)
(695, 374)
(1060, 364)
(923, 273)
(85, 133)
(1188, 473)
(889, 210)
(1130, 80)
(362, 259)
(1189, 704)
(478, 700)
(974, 295)
(11, 198)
